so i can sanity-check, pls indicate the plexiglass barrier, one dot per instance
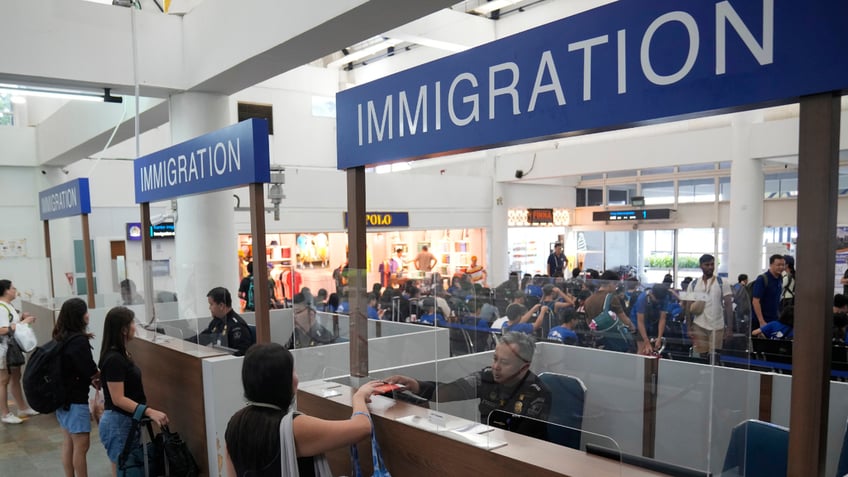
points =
(659, 382)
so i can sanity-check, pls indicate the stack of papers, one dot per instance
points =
(462, 430)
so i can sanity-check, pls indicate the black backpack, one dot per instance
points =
(43, 383)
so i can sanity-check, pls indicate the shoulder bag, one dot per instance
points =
(288, 454)
(380, 469)
(25, 337)
(177, 457)
(140, 459)
(14, 354)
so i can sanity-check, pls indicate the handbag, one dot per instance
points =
(380, 469)
(14, 354)
(178, 460)
(96, 406)
(140, 459)
(25, 337)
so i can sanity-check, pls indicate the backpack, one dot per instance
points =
(604, 321)
(250, 304)
(42, 381)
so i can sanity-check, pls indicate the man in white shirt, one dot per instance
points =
(709, 310)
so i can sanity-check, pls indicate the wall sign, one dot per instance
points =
(615, 66)
(65, 200)
(626, 215)
(538, 217)
(133, 231)
(230, 157)
(384, 219)
(163, 230)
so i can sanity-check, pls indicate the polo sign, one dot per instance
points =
(615, 66)
(384, 219)
(234, 156)
(65, 200)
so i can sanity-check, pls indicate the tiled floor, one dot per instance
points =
(34, 449)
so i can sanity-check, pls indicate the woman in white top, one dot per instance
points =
(9, 320)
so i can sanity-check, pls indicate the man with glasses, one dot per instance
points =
(507, 389)
(307, 331)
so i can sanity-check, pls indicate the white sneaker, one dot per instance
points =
(11, 419)
(28, 413)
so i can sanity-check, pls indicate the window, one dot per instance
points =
(620, 194)
(658, 193)
(781, 185)
(7, 117)
(590, 197)
(697, 167)
(696, 190)
(724, 188)
(658, 170)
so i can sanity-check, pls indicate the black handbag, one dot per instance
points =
(14, 354)
(140, 459)
(177, 457)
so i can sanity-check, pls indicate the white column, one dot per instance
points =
(746, 201)
(498, 266)
(206, 242)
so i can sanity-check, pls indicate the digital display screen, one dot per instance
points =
(627, 215)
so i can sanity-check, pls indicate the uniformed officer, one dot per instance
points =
(307, 331)
(507, 390)
(226, 326)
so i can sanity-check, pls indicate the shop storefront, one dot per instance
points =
(531, 236)
(310, 258)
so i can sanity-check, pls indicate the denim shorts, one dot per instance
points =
(114, 428)
(76, 420)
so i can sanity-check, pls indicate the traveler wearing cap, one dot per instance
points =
(307, 331)
(557, 262)
(650, 313)
(476, 272)
(507, 385)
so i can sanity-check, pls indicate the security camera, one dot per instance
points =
(44, 172)
(519, 173)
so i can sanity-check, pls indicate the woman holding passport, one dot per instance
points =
(268, 438)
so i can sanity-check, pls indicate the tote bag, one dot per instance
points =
(380, 469)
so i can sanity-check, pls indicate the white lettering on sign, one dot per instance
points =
(60, 200)
(218, 159)
(508, 81)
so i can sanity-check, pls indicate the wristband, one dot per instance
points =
(139, 412)
(357, 413)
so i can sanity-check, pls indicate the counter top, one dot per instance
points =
(410, 450)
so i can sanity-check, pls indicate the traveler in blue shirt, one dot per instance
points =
(564, 333)
(518, 317)
(373, 312)
(767, 291)
(782, 329)
(650, 313)
(431, 314)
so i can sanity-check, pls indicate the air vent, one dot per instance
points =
(253, 110)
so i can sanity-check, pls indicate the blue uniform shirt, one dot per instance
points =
(563, 335)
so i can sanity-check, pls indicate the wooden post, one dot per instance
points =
(818, 172)
(147, 260)
(261, 293)
(47, 254)
(357, 271)
(89, 265)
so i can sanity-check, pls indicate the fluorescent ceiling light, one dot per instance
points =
(18, 90)
(364, 53)
(489, 7)
(18, 99)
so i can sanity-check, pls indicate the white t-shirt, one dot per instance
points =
(713, 316)
(499, 323)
